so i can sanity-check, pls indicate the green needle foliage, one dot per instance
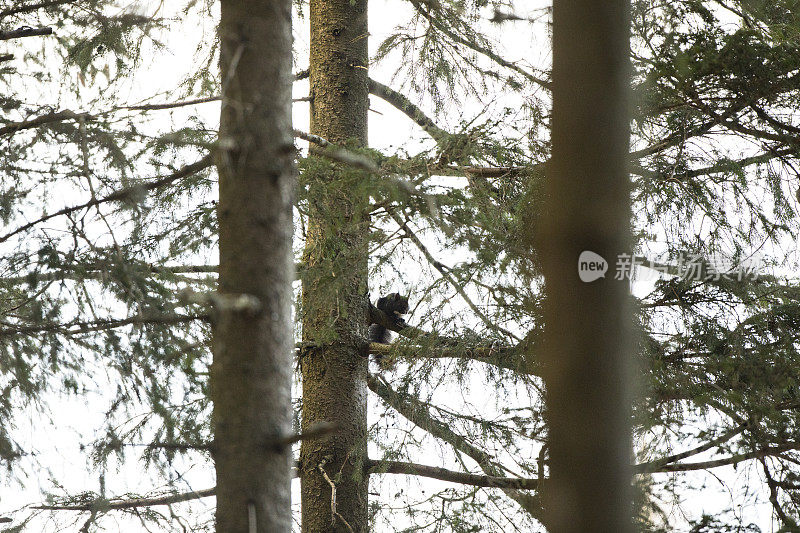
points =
(99, 303)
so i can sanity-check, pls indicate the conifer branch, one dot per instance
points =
(59, 116)
(132, 503)
(389, 95)
(337, 153)
(655, 465)
(499, 356)
(416, 412)
(122, 194)
(767, 451)
(102, 272)
(477, 47)
(494, 172)
(722, 166)
(80, 327)
(409, 109)
(33, 7)
(447, 276)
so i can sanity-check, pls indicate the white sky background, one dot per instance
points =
(76, 422)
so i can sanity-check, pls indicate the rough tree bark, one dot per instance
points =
(252, 367)
(586, 358)
(334, 374)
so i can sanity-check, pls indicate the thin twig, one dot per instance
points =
(121, 194)
(447, 276)
(334, 514)
(337, 153)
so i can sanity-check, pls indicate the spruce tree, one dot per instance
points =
(251, 374)
(334, 308)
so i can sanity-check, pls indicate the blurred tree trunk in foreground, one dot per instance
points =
(252, 368)
(587, 355)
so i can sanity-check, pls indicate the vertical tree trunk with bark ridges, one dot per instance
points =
(252, 368)
(586, 358)
(334, 374)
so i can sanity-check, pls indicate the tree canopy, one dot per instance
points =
(109, 242)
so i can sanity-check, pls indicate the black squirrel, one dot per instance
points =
(394, 305)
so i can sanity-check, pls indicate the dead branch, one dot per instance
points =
(334, 513)
(24, 31)
(465, 478)
(132, 503)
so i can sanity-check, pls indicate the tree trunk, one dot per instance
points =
(334, 308)
(252, 368)
(586, 360)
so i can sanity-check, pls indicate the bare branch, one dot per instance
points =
(476, 480)
(116, 505)
(405, 106)
(790, 524)
(24, 31)
(173, 105)
(334, 513)
(320, 429)
(246, 304)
